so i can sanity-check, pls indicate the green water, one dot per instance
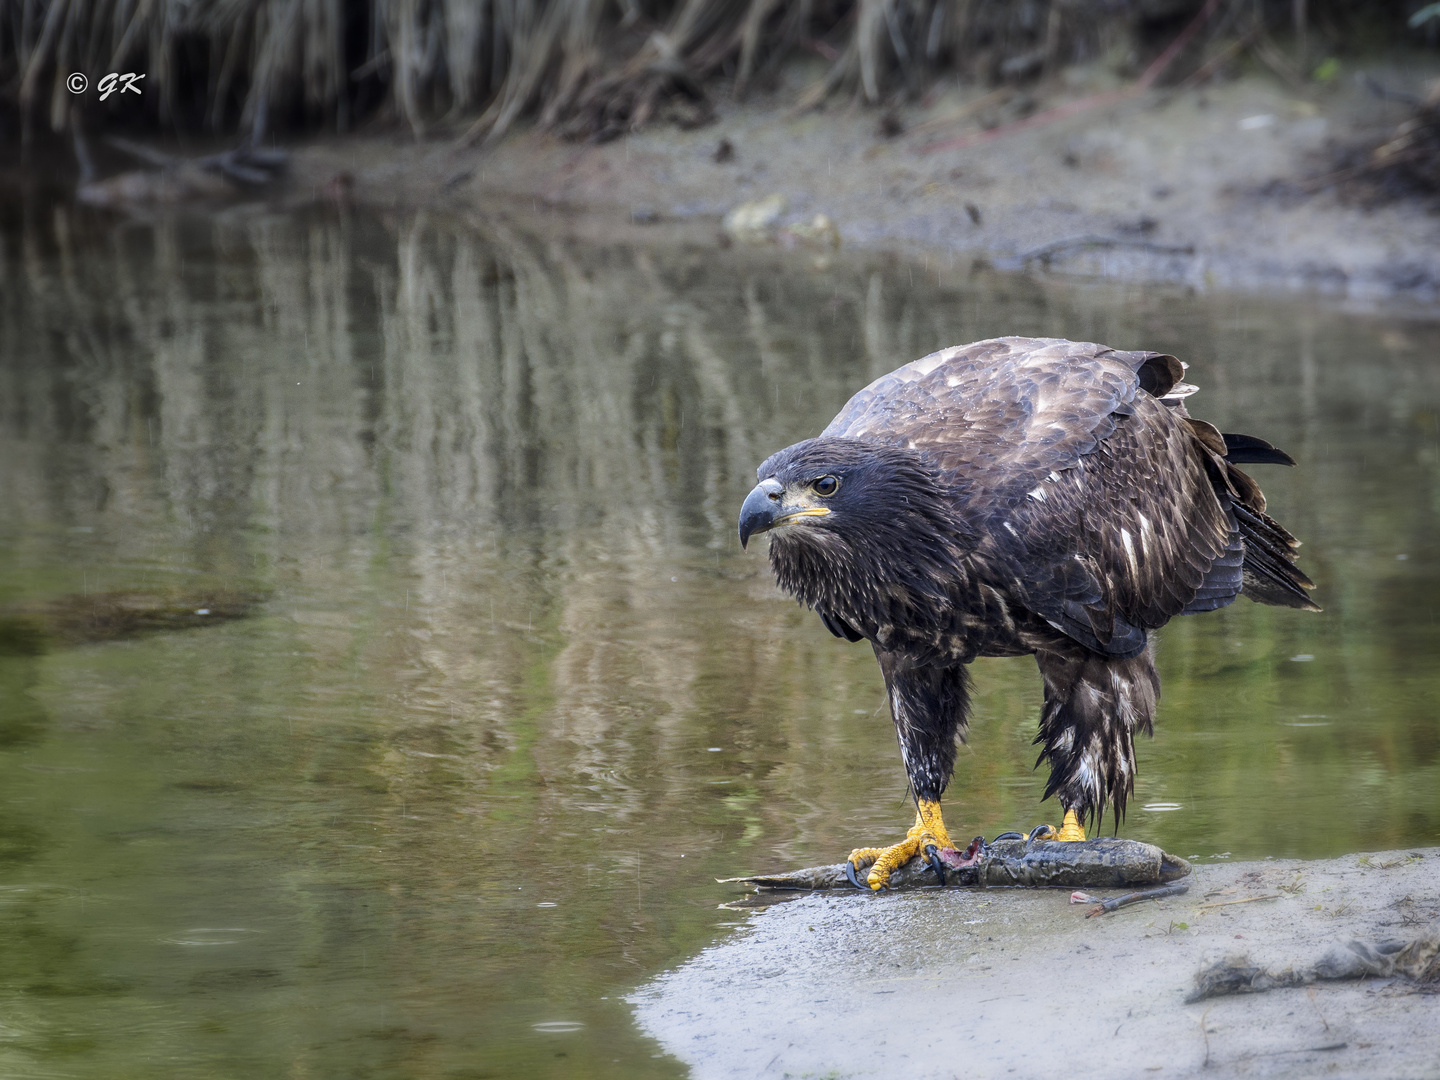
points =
(514, 696)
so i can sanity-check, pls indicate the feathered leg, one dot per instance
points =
(1094, 704)
(929, 706)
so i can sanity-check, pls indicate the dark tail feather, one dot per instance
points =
(838, 626)
(1248, 450)
(1271, 576)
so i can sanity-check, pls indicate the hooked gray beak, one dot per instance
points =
(761, 509)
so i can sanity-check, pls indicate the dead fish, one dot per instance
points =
(1008, 860)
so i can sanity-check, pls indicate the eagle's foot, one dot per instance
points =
(1070, 830)
(926, 838)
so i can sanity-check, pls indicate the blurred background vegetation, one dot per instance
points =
(598, 68)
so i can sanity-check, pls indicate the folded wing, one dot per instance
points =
(1101, 505)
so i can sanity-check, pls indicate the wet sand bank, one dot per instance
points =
(1202, 188)
(1017, 983)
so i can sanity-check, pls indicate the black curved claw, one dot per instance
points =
(1008, 836)
(932, 857)
(1041, 832)
(850, 874)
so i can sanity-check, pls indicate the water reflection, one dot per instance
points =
(514, 697)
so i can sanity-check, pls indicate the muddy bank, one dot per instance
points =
(994, 983)
(1205, 188)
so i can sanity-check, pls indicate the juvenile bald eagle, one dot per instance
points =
(1020, 495)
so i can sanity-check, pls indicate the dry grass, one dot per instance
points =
(588, 68)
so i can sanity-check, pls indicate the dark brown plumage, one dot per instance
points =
(1023, 495)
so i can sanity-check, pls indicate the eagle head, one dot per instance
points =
(860, 531)
(832, 494)
(819, 490)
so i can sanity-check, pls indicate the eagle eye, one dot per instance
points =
(826, 486)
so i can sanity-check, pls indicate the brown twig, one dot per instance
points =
(1047, 252)
(1247, 900)
(1269, 54)
(1115, 902)
(1300, 1050)
(1209, 67)
(963, 112)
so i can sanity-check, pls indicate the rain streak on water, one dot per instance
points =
(382, 687)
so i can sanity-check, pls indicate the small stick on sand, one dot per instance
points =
(1247, 900)
(1106, 906)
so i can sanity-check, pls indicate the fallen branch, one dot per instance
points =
(175, 179)
(1047, 253)
(1114, 903)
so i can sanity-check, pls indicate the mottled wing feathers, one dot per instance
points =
(998, 415)
(1134, 531)
(1088, 494)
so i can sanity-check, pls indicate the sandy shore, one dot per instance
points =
(1195, 187)
(1019, 983)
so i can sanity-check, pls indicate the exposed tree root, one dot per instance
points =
(586, 68)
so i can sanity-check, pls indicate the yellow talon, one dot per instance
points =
(1070, 828)
(928, 830)
(864, 856)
